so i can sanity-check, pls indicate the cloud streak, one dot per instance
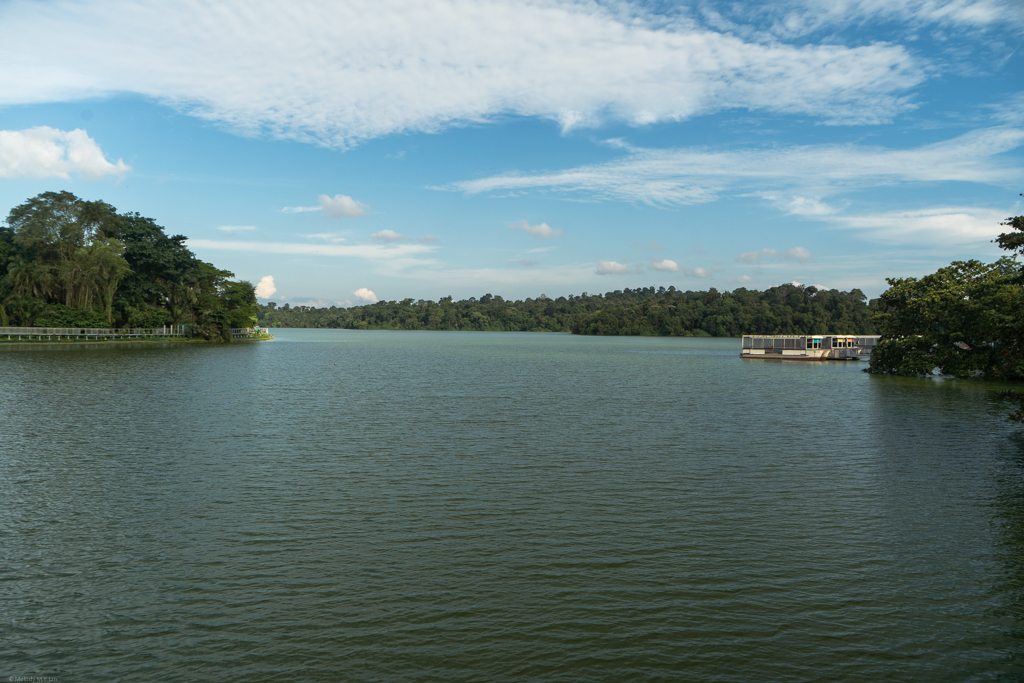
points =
(340, 73)
(938, 225)
(365, 251)
(798, 254)
(789, 19)
(692, 176)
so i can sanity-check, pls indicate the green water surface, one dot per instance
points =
(428, 506)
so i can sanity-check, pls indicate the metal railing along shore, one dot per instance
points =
(111, 334)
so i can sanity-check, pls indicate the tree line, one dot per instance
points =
(68, 262)
(786, 309)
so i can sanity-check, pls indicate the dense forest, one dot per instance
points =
(67, 262)
(965, 320)
(786, 309)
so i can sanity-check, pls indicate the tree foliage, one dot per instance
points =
(68, 262)
(966, 320)
(787, 309)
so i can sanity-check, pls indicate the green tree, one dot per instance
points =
(65, 261)
(240, 304)
(960, 320)
(966, 320)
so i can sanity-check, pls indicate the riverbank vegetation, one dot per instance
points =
(965, 320)
(67, 262)
(786, 309)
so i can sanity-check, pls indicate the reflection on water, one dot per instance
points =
(341, 505)
(1008, 595)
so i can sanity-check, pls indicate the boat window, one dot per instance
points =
(759, 343)
(746, 342)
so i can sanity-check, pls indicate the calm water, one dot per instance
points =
(403, 506)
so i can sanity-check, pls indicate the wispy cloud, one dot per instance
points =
(798, 254)
(697, 272)
(427, 239)
(332, 237)
(365, 251)
(939, 225)
(787, 19)
(338, 206)
(236, 228)
(339, 73)
(542, 231)
(691, 176)
(44, 152)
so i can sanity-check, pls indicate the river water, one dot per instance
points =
(427, 506)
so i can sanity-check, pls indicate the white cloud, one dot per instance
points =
(794, 18)
(44, 152)
(666, 265)
(338, 206)
(266, 287)
(236, 228)
(366, 251)
(427, 239)
(743, 280)
(338, 73)
(365, 295)
(332, 237)
(939, 225)
(387, 236)
(798, 254)
(342, 206)
(697, 272)
(752, 256)
(542, 231)
(691, 176)
(612, 268)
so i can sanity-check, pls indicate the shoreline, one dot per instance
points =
(168, 340)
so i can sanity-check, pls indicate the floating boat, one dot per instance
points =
(808, 347)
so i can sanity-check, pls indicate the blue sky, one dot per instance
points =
(344, 152)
